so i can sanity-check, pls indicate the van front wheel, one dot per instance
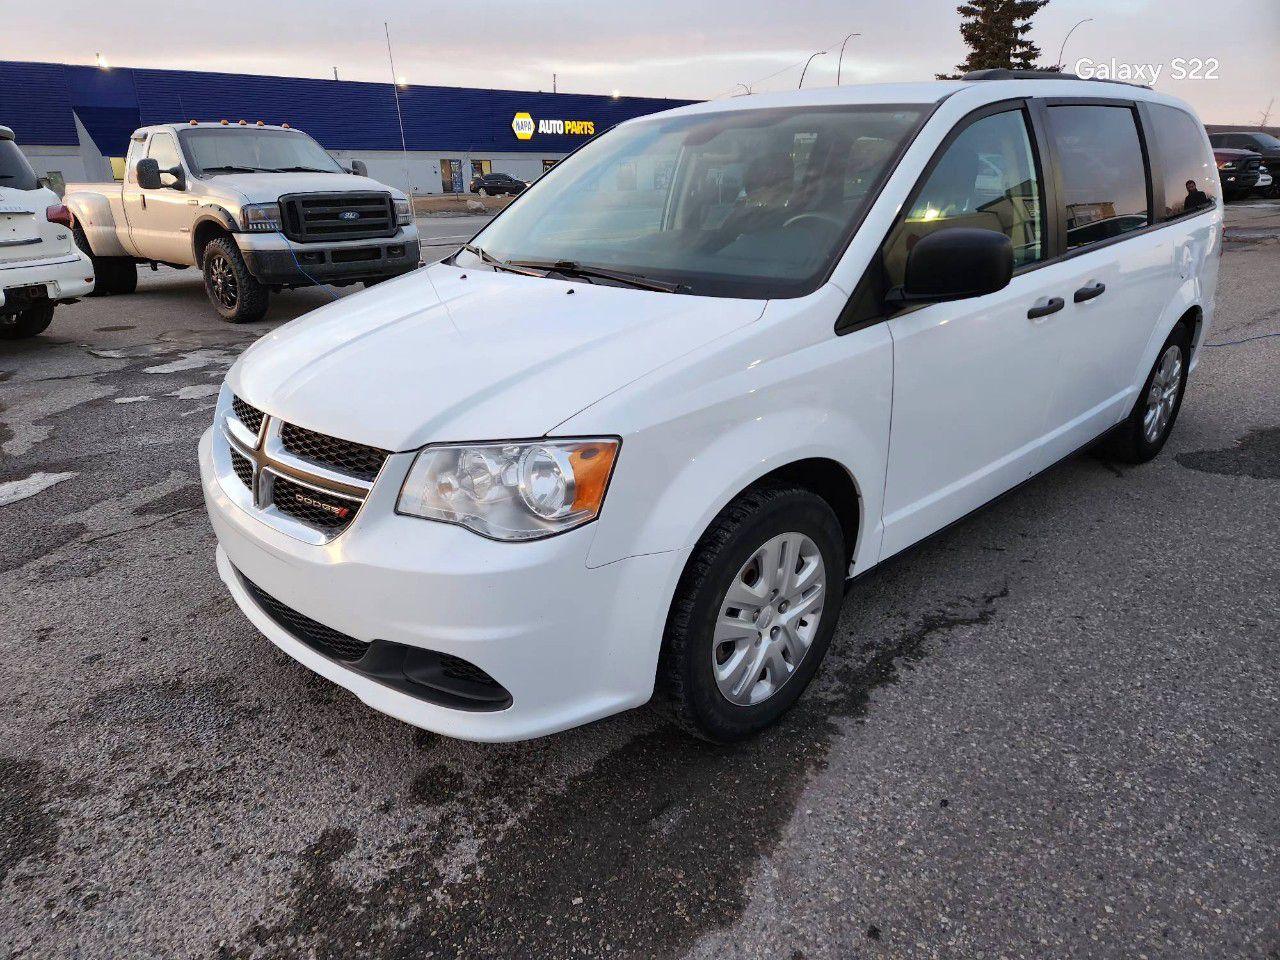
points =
(754, 613)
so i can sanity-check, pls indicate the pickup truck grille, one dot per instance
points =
(326, 217)
(1251, 164)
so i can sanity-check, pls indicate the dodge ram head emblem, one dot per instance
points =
(349, 215)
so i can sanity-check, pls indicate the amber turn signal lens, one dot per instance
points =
(592, 464)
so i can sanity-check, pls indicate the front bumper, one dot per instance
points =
(275, 260)
(570, 644)
(64, 279)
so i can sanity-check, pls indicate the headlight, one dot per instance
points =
(404, 213)
(1226, 164)
(511, 491)
(260, 216)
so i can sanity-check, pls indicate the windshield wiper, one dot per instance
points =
(571, 268)
(487, 257)
(231, 168)
(296, 170)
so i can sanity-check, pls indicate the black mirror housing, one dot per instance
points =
(148, 174)
(956, 263)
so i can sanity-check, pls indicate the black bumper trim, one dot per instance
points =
(337, 265)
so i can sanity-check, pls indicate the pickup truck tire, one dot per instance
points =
(29, 323)
(111, 275)
(234, 292)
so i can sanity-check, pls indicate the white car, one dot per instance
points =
(40, 265)
(641, 431)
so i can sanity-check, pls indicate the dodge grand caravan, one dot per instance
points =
(639, 433)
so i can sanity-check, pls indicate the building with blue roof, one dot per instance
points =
(76, 120)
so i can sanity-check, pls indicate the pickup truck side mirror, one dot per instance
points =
(359, 169)
(149, 174)
(955, 263)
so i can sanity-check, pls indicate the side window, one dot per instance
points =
(1190, 174)
(1104, 177)
(131, 160)
(987, 179)
(164, 151)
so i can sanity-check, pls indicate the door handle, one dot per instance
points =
(1044, 307)
(1088, 293)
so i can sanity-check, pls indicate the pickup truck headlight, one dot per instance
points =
(404, 213)
(517, 490)
(260, 216)
(1226, 164)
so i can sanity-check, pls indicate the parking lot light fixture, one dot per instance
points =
(820, 53)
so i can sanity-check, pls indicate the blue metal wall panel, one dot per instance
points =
(341, 115)
(34, 103)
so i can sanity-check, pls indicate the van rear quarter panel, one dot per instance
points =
(701, 430)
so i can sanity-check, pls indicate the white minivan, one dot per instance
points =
(638, 434)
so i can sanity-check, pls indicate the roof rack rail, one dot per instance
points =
(1003, 73)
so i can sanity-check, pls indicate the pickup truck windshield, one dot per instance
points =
(15, 172)
(237, 150)
(750, 203)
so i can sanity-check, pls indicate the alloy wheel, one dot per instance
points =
(222, 281)
(768, 619)
(1162, 396)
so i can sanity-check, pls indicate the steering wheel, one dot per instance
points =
(819, 217)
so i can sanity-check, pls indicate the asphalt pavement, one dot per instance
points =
(1050, 732)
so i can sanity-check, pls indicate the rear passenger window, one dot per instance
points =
(1190, 174)
(1104, 176)
(986, 179)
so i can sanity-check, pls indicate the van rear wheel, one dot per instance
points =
(754, 613)
(1143, 433)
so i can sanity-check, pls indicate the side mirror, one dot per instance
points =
(149, 174)
(955, 263)
(359, 169)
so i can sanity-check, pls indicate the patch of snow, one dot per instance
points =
(15, 490)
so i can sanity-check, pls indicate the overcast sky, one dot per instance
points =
(677, 48)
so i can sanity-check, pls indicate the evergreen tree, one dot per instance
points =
(996, 32)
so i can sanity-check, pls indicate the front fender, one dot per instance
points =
(736, 413)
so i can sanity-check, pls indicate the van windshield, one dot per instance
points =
(748, 203)
(238, 150)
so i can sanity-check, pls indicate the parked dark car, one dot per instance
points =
(495, 184)
(1238, 170)
(1260, 143)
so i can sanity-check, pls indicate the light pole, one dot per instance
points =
(840, 62)
(395, 87)
(820, 53)
(1063, 48)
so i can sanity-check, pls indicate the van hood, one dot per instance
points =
(444, 354)
(269, 187)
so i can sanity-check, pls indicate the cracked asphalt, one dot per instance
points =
(1050, 732)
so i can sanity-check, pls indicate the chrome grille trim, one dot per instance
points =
(270, 460)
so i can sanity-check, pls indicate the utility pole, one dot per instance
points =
(335, 73)
(395, 88)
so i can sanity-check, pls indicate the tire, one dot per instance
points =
(31, 322)
(774, 666)
(1142, 434)
(111, 275)
(234, 292)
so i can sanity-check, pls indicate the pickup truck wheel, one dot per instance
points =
(111, 275)
(234, 292)
(754, 613)
(30, 322)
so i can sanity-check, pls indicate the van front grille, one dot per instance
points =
(322, 639)
(344, 456)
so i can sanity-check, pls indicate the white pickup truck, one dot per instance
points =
(257, 208)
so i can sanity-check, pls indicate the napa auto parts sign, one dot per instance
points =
(524, 127)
